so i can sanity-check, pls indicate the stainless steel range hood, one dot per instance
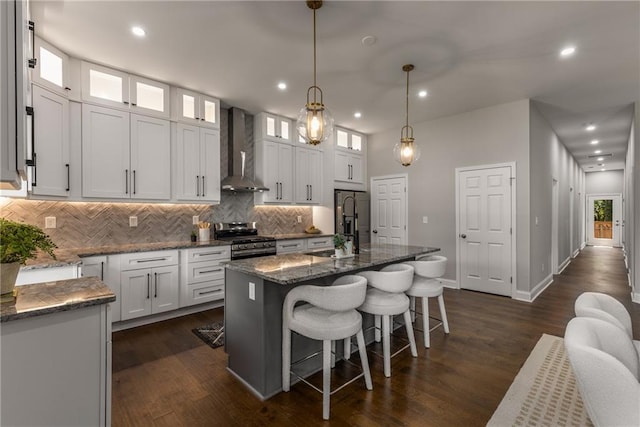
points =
(237, 181)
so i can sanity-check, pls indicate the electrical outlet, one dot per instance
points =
(195, 220)
(299, 219)
(536, 220)
(50, 222)
(252, 291)
(133, 221)
(425, 220)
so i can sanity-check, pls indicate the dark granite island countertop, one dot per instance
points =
(51, 297)
(255, 289)
(292, 268)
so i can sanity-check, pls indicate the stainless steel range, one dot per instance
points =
(245, 242)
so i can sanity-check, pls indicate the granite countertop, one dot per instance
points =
(292, 268)
(50, 297)
(292, 236)
(73, 256)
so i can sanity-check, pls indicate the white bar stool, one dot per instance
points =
(386, 298)
(330, 314)
(426, 285)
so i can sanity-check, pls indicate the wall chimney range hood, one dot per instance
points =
(237, 181)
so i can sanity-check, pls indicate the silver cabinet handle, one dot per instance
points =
(211, 271)
(209, 253)
(150, 260)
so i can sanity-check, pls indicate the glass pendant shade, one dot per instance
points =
(407, 150)
(315, 122)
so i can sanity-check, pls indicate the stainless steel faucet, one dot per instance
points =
(356, 238)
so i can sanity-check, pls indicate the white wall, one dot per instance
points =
(486, 136)
(632, 208)
(605, 182)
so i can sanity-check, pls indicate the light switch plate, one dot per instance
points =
(50, 222)
(425, 220)
(299, 219)
(133, 221)
(252, 291)
(195, 220)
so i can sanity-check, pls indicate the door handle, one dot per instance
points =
(375, 231)
(464, 236)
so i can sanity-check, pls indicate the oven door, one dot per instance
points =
(252, 253)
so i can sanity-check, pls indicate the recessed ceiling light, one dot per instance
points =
(423, 94)
(590, 128)
(594, 141)
(357, 114)
(597, 152)
(568, 51)
(138, 31)
(369, 40)
(282, 85)
(602, 170)
(600, 159)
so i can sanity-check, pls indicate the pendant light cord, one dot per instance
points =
(314, 54)
(408, 98)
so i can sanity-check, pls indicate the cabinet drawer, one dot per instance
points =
(317, 243)
(203, 292)
(204, 271)
(133, 261)
(213, 253)
(290, 246)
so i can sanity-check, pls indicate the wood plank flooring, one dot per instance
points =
(163, 375)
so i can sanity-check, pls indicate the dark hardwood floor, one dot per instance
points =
(164, 375)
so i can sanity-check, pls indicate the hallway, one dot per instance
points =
(164, 375)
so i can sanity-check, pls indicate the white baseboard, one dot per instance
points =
(583, 245)
(133, 323)
(535, 292)
(451, 284)
(635, 297)
(576, 253)
(564, 265)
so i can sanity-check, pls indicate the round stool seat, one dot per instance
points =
(424, 287)
(384, 303)
(320, 324)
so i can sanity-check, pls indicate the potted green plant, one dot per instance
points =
(341, 245)
(18, 243)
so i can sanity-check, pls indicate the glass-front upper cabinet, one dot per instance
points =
(51, 70)
(349, 140)
(196, 108)
(114, 88)
(274, 128)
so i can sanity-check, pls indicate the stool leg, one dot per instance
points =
(412, 307)
(333, 354)
(386, 345)
(443, 314)
(326, 378)
(412, 338)
(364, 361)
(425, 321)
(286, 359)
(347, 348)
(376, 322)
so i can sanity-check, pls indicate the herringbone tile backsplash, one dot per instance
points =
(80, 224)
(90, 224)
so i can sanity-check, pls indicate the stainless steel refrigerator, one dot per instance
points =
(352, 217)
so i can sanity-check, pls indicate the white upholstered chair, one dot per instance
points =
(606, 367)
(426, 285)
(386, 298)
(605, 307)
(329, 314)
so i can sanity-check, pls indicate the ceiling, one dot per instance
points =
(467, 55)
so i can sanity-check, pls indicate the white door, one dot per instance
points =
(484, 239)
(389, 210)
(150, 158)
(603, 219)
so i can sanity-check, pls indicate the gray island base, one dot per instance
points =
(255, 289)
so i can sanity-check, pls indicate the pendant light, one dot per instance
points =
(406, 151)
(315, 123)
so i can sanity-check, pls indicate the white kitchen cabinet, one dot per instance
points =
(272, 127)
(197, 164)
(348, 167)
(124, 155)
(202, 274)
(290, 246)
(28, 276)
(117, 89)
(274, 167)
(107, 269)
(195, 108)
(52, 68)
(308, 177)
(51, 174)
(150, 290)
(320, 243)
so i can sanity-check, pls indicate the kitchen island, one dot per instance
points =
(255, 289)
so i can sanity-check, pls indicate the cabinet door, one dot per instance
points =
(302, 190)
(285, 172)
(187, 106)
(188, 162)
(356, 169)
(136, 293)
(209, 111)
(51, 174)
(269, 153)
(105, 152)
(315, 177)
(342, 167)
(210, 165)
(107, 269)
(51, 67)
(150, 158)
(105, 86)
(165, 289)
(149, 97)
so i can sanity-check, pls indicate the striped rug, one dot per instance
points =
(544, 393)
